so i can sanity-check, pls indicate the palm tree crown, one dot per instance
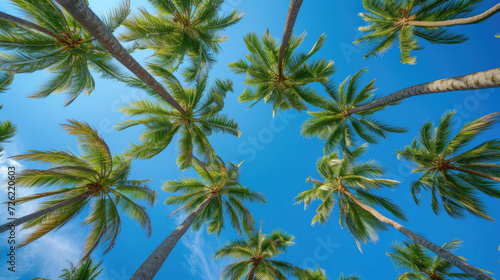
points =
(337, 126)
(220, 182)
(203, 116)
(287, 90)
(320, 274)
(95, 176)
(417, 260)
(343, 177)
(256, 255)
(88, 270)
(390, 20)
(449, 172)
(181, 28)
(67, 50)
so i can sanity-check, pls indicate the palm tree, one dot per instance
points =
(293, 12)
(56, 42)
(416, 259)
(6, 79)
(202, 118)
(337, 127)
(478, 80)
(7, 131)
(219, 191)
(350, 184)
(88, 270)
(256, 255)
(100, 31)
(95, 177)
(181, 28)
(320, 274)
(286, 91)
(451, 172)
(411, 20)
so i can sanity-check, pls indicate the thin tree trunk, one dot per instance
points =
(251, 273)
(89, 20)
(456, 261)
(37, 214)
(459, 21)
(479, 80)
(31, 25)
(153, 263)
(293, 11)
(458, 168)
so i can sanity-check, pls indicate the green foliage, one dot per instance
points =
(421, 265)
(342, 178)
(100, 179)
(69, 57)
(181, 28)
(289, 90)
(221, 182)
(87, 270)
(256, 254)
(7, 131)
(337, 127)
(437, 155)
(320, 274)
(389, 20)
(203, 117)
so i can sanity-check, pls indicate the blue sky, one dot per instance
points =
(276, 158)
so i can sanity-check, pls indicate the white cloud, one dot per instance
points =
(200, 250)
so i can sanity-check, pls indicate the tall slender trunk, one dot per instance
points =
(458, 168)
(479, 80)
(251, 273)
(293, 11)
(459, 21)
(153, 263)
(456, 261)
(89, 20)
(37, 214)
(29, 24)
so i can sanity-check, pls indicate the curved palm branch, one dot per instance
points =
(68, 51)
(421, 265)
(95, 179)
(203, 117)
(255, 256)
(87, 270)
(7, 131)
(320, 274)
(180, 28)
(411, 20)
(337, 127)
(342, 176)
(287, 91)
(450, 171)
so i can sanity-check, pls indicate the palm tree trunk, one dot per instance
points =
(28, 24)
(479, 80)
(458, 21)
(457, 168)
(456, 261)
(293, 11)
(88, 19)
(153, 263)
(251, 273)
(37, 214)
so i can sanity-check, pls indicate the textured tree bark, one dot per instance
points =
(456, 261)
(37, 214)
(293, 11)
(458, 168)
(251, 273)
(478, 80)
(29, 24)
(459, 21)
(153, 263)
(89, 20)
